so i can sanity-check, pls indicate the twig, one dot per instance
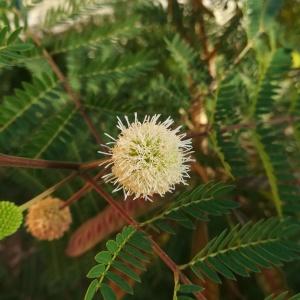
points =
(156, 248)
(199, 10)
(198, 6)
(69, 90)
(200, 171)
(176, 286)
(24, 162)
(242, 54)
(48, 191)
(93, 164)
(86, 188)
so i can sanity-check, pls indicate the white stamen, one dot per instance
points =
(110, 136)
(105, 153)
(148, 157)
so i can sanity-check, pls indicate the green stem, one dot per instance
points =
(47, 192)
(270, 172)
(176, 286)
(201, 259)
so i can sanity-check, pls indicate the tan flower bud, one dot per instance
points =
(46, 221)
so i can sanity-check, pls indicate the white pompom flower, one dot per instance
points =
(148, 157)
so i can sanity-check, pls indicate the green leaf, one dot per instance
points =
(190, 288)
(107, 292)
(221, 268)
(208, 272)
(269, 171)
(11, 48)
(245, 249)
(115, 259)
(261, 15)
(14, 107)
(91, 291)
(184, 298)
(126, 270)
(140, 242)
(132, 66)
(283, 296)
(135, 252)
(13, 36)
(269, 84)
(234, 266)
(51, 134)
(226, 113)
(103, 257)
(112, 246)
(182, 54)
(132, 260)
(95, 271)
(3, 33)
(197, 203)
(120, 282)
(96, 37)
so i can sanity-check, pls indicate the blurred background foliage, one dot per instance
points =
(228, 70)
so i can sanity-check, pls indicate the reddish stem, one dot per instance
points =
(86, 188)
(24, 162)
(156, 248)
(71, 93)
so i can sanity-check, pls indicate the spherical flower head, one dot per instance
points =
(46, 220)
(148, 157)
(10, 218)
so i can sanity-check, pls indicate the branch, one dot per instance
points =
(199, 9)
(24, 162)
(48, 192)
(71, 93)
(86, 188)
(156, 248)
(93, 164)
